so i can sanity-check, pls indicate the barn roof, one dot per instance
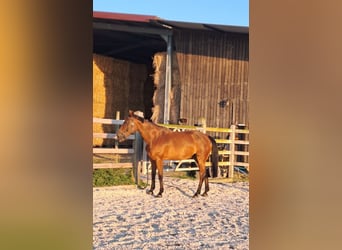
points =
(137, 37)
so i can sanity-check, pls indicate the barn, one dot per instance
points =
(173, 71)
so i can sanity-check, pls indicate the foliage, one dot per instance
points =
(191, 174)
(112, 177)
(238, 177)
(115, 177)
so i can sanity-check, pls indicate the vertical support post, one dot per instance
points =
(137, 157)
(168, 78)
(204, 125)
(232, 152)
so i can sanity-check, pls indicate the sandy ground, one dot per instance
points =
(125, 217)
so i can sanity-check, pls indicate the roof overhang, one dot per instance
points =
(137, 38)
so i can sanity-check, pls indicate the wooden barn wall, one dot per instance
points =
(213, 66)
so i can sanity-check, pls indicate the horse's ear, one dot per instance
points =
(130, 113)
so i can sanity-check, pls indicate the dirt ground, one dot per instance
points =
(125, 217)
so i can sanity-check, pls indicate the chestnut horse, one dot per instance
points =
(164, 144)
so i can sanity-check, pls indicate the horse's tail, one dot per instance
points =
(214, 157)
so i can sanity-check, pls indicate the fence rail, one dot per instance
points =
(112, 165)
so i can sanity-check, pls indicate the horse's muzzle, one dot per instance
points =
(121, 136)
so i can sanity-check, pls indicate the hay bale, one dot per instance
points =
(137, 77)
(117, 86)
(159, 64)
(110, 92)
(110, 79)
(175, 95)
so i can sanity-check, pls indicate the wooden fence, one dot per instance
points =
(233, 149)
(135, 151)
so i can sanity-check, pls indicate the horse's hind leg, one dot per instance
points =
(201, 178)
(153, 177)
(202, 174)
(206, 181)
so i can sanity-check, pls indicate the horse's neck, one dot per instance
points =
(150, 131)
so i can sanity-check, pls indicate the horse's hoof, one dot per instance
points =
(195, 195)
(204, 194)
(149, 192)
(158, 196)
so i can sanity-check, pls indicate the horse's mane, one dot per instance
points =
(141, 119)
(157, 126)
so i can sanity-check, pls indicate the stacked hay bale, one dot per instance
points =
(159, 64)
(116, 87)
(137, 78)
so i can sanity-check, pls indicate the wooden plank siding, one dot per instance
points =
(213, 66)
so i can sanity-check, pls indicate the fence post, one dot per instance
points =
(232, 151)
(116, 128)
(137, 157)
(241, 147)
(116, 142)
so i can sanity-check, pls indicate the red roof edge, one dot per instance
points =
(124, 17)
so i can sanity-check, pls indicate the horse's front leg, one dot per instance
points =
(153, 177)
(159, 164)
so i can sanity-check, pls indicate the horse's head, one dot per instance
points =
(129, 126)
